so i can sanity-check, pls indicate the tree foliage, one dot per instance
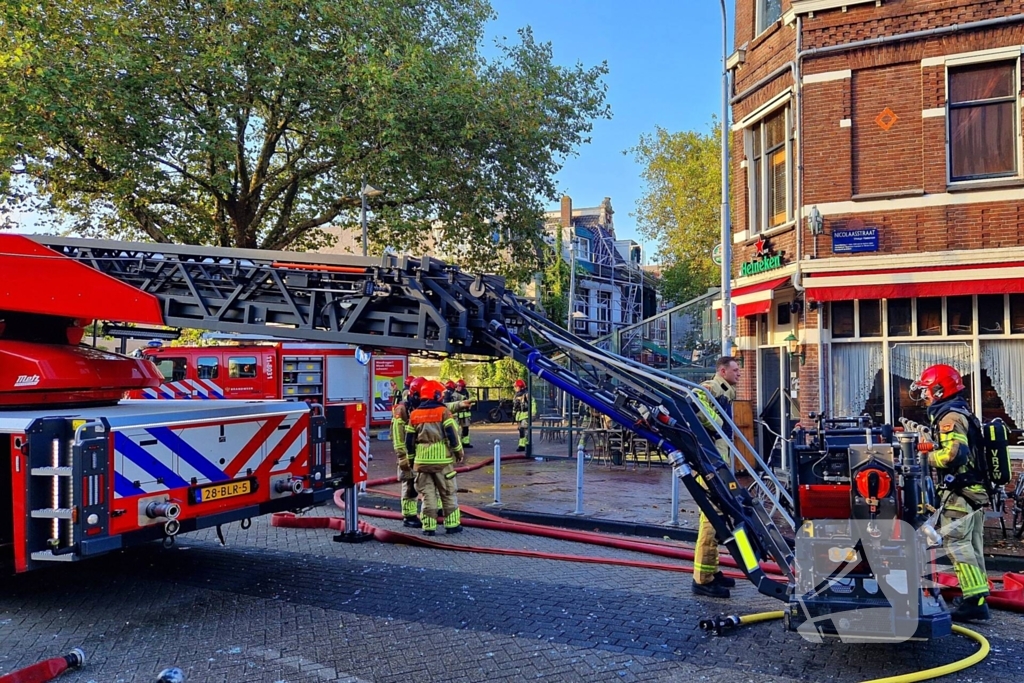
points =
(251, 124)
(680, 208)
(555, 283)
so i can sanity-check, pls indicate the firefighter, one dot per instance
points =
(955, 447)
(521, 412)
(449, 392)
(432, 435)
(464, 414)
(707, 578)
(405, 390)
(406, 476)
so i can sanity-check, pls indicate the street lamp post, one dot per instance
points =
(727, 331)
(364, 192)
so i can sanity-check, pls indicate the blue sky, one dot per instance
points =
(664, 61)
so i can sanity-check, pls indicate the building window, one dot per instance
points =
(870, 317)
(769, 176)
(991, 314)
(783, 315)
(843, 320)
(982, 120)
(768, 12)
(959, 315)
(899, 317)
(929, 316)
(581, 310)
(603, 312)
(583, 248)
(1016, 313)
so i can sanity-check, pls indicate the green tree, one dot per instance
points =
(452, 368)
(251, 124)
(680, 207)
(555, 282)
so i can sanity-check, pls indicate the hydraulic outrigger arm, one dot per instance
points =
(425, 305)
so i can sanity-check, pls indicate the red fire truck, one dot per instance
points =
(317, 373)
(83, 472)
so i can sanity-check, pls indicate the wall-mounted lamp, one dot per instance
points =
(815, 221)
(795, 348)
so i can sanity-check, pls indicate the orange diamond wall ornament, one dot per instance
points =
(887, 119)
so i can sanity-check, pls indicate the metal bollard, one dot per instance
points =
(579, 479)
(674, 521)
(497, 472)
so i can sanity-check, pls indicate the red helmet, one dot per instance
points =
(409, 380)
(416, 385)
(940, 381)
(449, 384)
(520, 384)
(461, 384)
(431, 390)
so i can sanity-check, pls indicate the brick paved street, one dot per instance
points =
(291, 605)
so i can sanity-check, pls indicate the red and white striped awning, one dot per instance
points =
(900, 283)
(752, 299)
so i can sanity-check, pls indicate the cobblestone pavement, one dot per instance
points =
(285, 605)
(290, 605)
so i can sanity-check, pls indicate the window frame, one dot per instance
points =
(239, 361)
(581, 253)
(759, 19)
(758, 211)
(982, 59)
(159, 360)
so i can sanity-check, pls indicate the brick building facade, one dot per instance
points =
(877, 149)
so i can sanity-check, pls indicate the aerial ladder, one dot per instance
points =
(423, 305)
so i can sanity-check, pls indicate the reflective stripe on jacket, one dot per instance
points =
(432, 435)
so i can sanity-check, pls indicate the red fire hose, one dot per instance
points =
(46, 670)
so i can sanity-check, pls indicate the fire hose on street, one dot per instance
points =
(474, 517)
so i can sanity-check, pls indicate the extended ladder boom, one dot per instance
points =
(425, 305)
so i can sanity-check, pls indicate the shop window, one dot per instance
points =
(762, 329)
(842, 320)
(208, 368)
(990, 314)
(1017, 313)
(783, 316)
(993, 406)
(904, 406)
(982, 120)
(173, 369)
(899, 317)
(870, 317)
(929, 316)
(959, 315)
(242, 367)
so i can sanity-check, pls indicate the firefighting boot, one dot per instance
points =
(453, 529)
(723, 580)
(710, 590)
(973, 608)
(412, 522)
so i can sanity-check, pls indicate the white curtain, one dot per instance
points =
(854, 367)
(1004, 362)
(909, 360)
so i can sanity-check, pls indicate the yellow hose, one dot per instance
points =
(922, 675)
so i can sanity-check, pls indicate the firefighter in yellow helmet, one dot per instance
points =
(707, 578)
(406, 476)
(432, 434)
(954, 451)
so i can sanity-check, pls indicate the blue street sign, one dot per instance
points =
(853, 241)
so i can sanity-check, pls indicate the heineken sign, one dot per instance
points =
(763, 261)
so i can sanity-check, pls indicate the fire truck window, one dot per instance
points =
(208, 368)
(242, 367)
(173, 369)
